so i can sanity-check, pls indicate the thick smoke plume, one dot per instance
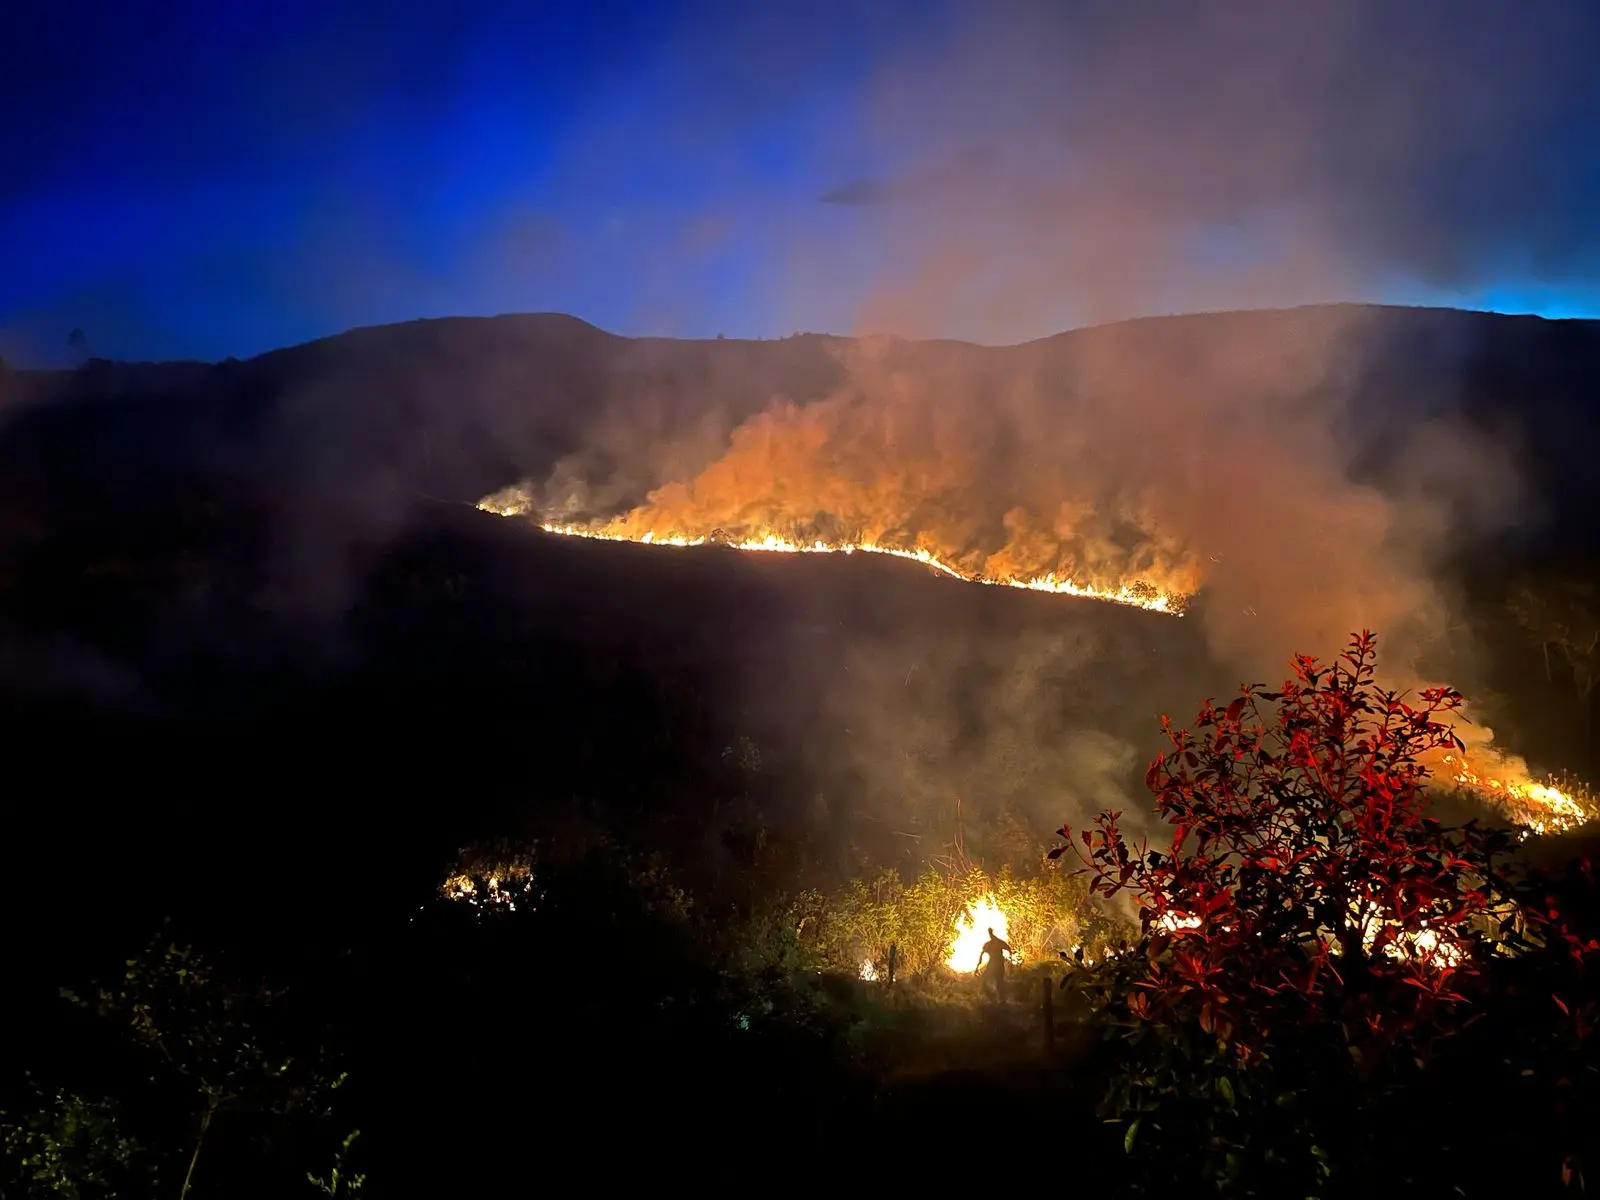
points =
(1208, 455)
(1006, 170)
(1211, 456)
(1036, 170)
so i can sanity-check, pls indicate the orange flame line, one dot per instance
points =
(1167, 604)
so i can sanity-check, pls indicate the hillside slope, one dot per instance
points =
(258, 592)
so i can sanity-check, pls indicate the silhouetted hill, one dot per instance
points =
(457, 407)
(273, 486)
(250, 629)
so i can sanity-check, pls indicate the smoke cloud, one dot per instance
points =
(1211, 455)
(1037, 171)
(1056, 167)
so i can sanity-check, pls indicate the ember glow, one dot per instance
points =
(972, 931)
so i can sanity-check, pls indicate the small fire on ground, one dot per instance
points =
(1421, 945)
(492, 880)
(495, 892)
(972, 932)
(1539, 807)
(968, 937)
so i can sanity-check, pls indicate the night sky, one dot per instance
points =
(197, 180)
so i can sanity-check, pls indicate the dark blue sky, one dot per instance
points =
(193, 179)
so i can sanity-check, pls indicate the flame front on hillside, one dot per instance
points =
(1137, 595)
(1540, 808)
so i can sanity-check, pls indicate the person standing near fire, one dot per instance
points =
(995, 950)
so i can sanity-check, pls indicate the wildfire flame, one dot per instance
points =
(1540, 808)
(495, 892)
(972, 931)
(1423, 945)
(491, 880)
(1136, 595)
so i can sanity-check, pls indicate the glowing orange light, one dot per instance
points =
(972, 933)
(1134, 595)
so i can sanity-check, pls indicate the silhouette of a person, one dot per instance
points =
(995, 950)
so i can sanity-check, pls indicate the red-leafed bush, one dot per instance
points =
(1309, 933)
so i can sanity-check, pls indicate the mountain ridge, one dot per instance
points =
(547, 322)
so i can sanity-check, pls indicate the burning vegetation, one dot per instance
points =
(1549, 807)
(1137, 594)
(1142, 468)
(892, 464)
(492, 878)
(939, 921)
(1307, 942)
(1309, 926)
(1554, 806)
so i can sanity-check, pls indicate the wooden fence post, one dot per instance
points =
(892, 956)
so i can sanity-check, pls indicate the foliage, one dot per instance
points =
(1562, 613)
(1542, 1033)
(613, 978)
(1309, 935)
(210, 1036)
(71, 1147)
(858, 923)
(340, 1180)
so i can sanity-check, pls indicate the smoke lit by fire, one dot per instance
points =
(880, 467)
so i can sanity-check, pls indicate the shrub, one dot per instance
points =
(1309, 935)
